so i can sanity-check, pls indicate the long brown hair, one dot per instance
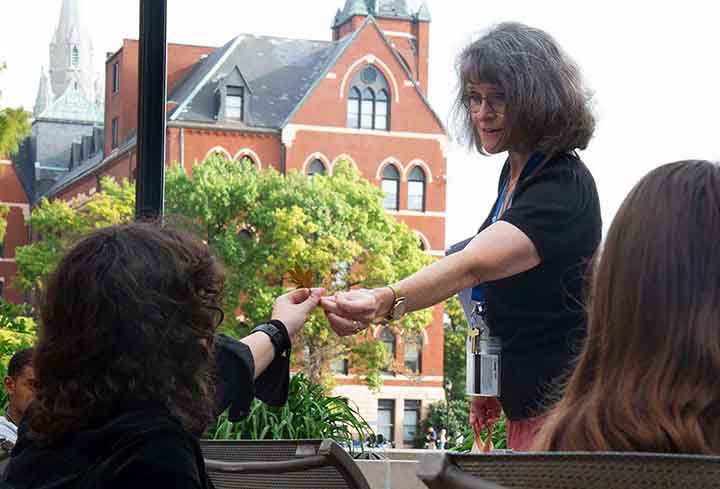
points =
(648, 378)
(128, 316)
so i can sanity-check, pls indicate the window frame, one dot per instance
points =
(393, 349)
(234, 92)
(367, 103)
(418, 342)
(423, 181)
(396, 180)
(382, 406)
(411, 405)
(310, 171)
(116, 77)
(115, 133)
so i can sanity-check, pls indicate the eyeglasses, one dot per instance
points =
(494, 101)
(220, 313)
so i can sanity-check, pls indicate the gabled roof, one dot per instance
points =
(73, 106)
(368, 20)
(280, 71)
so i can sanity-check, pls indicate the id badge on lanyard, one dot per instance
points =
(483, 353)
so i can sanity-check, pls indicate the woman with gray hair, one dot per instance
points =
(519, 94)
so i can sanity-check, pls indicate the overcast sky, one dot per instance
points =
(653, 66)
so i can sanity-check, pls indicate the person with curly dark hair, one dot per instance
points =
(125, 361)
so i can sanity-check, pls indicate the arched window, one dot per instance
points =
(75, 56)
(247, 161)
(316, 168)
(391, 187)
(381, 110)
(353, 117)
(388, 339)
(413, 354)
(368, 100)
(416, 190)
(367, 108)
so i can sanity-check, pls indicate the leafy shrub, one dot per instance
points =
(309, 413)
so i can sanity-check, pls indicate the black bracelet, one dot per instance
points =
(278, 334)
(287, 342)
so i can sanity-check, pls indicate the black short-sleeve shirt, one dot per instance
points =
(539, 314)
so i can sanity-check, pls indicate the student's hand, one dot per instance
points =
(351, 312)
(293, 308)
(484, 412)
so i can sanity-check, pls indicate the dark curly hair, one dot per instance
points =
(549, 109)
(128, 315)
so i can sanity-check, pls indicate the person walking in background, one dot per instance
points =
(519, 94)
(442, 439)
(431, 439)
(648, 377)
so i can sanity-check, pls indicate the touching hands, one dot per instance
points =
(351, 312)
(294, 307)
(484, 412)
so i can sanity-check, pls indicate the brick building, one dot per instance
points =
(296, 104)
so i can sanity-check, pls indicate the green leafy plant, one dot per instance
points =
(309, 413)
(499, 436)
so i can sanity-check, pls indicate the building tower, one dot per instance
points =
(71, 53)
(406, 26)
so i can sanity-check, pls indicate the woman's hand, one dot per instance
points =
(294, 307)
(484, 412)
(351, 312)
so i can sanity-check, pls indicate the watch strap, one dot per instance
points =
(278, 334)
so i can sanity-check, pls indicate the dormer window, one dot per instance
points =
(234, 103)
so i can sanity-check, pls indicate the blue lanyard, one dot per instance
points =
(478, 292)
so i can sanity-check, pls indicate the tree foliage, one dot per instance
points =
(4, 211)
(14, 126)
(262, 224)
(454, 349)
(59, 223)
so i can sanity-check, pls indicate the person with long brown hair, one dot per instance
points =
(125, 360)
(648, 377)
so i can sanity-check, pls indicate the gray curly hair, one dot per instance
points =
(548, 107)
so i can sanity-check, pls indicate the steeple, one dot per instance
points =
(71, 53)
(423, 13)
(44, 96)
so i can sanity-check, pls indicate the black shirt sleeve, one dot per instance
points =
(557, 209)
(234, 384)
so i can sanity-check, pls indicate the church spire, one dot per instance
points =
(71, 63)
(44, 96)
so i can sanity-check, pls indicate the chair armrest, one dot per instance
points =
(277, 467)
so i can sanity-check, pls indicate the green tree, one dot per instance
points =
(59, 223)
(14, 126)
(454, 349)
(4, 210)
(262, 224)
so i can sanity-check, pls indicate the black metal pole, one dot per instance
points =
(152, 69)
